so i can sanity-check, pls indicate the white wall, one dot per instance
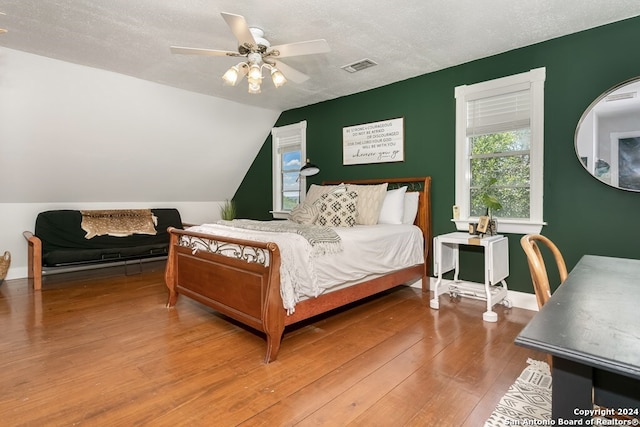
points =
(81, 138)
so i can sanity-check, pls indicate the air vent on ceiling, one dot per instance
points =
(359, 65)
(620, 96)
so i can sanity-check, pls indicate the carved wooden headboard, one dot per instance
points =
(422, 185)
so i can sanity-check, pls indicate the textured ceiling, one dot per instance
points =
(406, 38)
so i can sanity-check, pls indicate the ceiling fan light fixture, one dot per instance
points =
(254, 86)
(277, 77)
(236, 73)
(3, 30)
(230, 77)
(255, 72)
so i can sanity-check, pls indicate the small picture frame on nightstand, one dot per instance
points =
(473, 228)
(483, 224)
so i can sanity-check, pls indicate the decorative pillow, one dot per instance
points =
(410, 207)
(337, 210)
(370, 198)
(304, 213)
(315, 191)
(393, 207)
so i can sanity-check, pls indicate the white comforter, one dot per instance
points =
(367, 250)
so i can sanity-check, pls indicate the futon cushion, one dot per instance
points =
(62, 236)
(66, 257)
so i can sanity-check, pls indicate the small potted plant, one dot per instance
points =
(228, 210)
(491, 203)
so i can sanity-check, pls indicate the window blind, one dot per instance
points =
(499, 113)
(288, 141)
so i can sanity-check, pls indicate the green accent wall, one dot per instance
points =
(584, 216)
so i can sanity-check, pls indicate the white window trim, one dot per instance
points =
(535, 78)
(276, 132)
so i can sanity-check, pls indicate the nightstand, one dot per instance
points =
(496, 269)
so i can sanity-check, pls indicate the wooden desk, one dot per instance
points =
(591, 327)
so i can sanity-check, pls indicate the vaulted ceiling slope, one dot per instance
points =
(406, 39)
(76, 134)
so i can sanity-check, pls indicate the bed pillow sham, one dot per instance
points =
(393, 207)
(370, 199)
(315, 191)
(337, 210)
(411, 199)
(304, 213)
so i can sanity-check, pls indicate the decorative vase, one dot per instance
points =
(5, 261)
(492, 230)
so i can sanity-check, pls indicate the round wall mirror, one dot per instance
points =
(608, 136)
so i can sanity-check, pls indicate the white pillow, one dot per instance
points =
(410, 207)
(393, 207)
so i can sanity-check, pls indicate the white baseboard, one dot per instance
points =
(518, 299)
(16, 273)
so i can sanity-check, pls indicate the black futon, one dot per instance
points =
(59, 241)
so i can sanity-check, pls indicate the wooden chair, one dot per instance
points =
(531, 245)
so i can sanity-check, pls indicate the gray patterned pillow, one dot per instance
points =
(304, 213)
(337, 210)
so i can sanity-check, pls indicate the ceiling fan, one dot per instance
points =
(2, 30)
(259, 54)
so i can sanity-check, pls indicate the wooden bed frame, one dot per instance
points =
(246, 285)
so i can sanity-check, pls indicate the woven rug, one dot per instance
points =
(528, 399)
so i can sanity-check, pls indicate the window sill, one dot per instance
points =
(505, 225)
(280, 214)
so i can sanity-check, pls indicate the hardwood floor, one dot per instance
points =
(100, 348)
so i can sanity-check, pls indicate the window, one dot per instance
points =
(499, 134)
(289, 150)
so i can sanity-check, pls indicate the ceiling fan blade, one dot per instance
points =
(301, 48)
(291, 73)
(239, 28)
(198, 51)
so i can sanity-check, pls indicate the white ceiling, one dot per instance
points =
(406, 39)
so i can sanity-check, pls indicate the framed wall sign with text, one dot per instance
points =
(378, 142)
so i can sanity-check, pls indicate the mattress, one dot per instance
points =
(366, 250)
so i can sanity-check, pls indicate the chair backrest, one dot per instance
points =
(530, 243)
